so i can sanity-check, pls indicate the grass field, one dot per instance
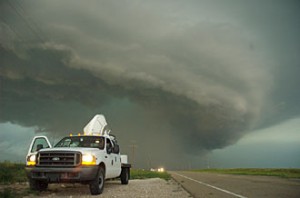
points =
(144, 174)
(284, 173)
(12, 172)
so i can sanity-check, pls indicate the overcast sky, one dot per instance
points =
(187, 82)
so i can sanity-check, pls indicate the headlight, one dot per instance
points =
(88, 159)
(31, 160)
(161, 170)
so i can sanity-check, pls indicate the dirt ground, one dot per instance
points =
(136, 188)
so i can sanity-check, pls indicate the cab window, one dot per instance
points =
(82, 141)
(39, 144)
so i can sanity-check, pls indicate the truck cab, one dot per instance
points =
(88, 158)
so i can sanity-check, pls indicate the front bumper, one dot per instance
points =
(59, 174)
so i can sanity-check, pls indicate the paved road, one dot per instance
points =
(222, 185)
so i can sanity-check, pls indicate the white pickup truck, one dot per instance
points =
(88, 158)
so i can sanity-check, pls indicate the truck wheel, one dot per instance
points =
(97, 185)
(124, 175)
(38, 185)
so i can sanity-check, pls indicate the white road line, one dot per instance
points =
(214, 187)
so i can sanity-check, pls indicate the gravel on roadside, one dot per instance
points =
(154, 187)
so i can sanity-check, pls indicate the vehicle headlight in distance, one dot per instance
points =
(161, 170)
(31, 160)
(88, 159)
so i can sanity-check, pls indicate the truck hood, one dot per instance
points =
(78, 149)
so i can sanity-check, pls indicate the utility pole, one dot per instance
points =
(133, 146)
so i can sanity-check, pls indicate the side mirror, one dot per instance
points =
(39, 147)
(108, 150)
(116, 149)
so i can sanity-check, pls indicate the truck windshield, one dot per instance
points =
(82, 141)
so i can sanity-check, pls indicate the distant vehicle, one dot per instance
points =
(161, 170)
(90, 158)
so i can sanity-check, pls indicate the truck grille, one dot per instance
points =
(58, 159)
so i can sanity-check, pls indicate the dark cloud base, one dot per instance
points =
(41, 90)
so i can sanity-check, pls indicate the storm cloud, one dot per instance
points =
(170, 78)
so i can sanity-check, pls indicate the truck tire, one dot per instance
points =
(38, 185)
(124, 175)
(97, 185)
